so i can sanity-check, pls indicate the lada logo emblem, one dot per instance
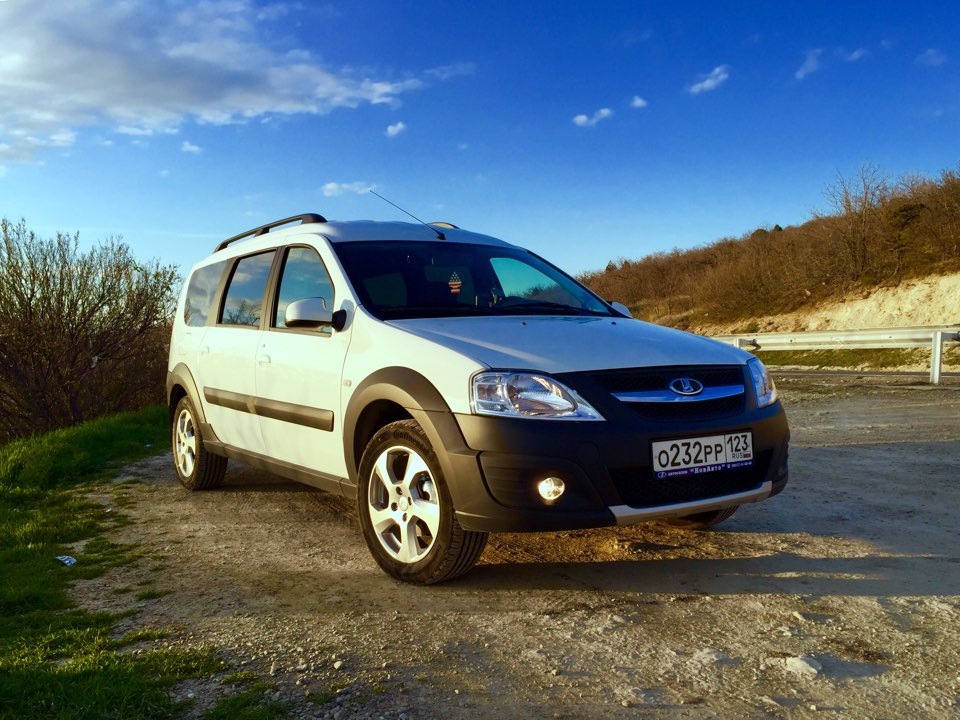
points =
(686, 386)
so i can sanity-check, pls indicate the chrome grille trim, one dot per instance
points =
(666, 396)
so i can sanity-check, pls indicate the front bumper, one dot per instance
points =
(606, 467)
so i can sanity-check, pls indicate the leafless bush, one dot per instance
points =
(82, 333)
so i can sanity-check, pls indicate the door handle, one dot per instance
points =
(264, 360)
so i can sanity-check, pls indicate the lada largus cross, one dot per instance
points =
(457, 385)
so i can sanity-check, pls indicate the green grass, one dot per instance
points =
(249, 703)
(75, 455)
(57, 661)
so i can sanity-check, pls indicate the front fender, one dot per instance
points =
(422, 401)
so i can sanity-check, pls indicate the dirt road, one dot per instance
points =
(840, 598)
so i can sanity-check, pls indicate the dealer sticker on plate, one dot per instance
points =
(692, 456)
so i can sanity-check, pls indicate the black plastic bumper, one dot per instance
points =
(606, 467)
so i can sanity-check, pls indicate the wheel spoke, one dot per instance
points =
(409, 546)
(189, 444)
(429, 512)
(416, 465)
(381, 471)
(382, 520)
(186, 459)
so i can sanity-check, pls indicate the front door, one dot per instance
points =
(298, 373)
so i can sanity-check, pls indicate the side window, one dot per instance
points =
(303, 276)
(200, 293)
(243, 302)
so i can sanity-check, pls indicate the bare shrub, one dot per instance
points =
(82, 333)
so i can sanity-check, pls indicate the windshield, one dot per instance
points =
(398, 280)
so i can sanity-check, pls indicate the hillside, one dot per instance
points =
(882, 240)
(933, 300)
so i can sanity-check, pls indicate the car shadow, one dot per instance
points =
(778, 572)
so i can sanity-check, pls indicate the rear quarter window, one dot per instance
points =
(201, 292)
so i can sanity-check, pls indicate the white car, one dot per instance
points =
(456, 385)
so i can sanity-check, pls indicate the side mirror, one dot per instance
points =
(622, 309)
(308, 313)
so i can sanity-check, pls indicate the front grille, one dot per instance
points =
(689, 410)
(640, 489)
(659, 378)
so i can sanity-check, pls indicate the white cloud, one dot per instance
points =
(62, 138)
(275, 11)
(135, 131)
(446, 72)
(811, 64)
(711, 81)
(931, 58)
(333, 189)
(145, 68)
(638, 102)
(856, 55)
(396, 129)
(591, 121)
(189, 147)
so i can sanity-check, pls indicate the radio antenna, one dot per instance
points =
(440, 235)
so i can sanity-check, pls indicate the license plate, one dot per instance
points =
(692, 456)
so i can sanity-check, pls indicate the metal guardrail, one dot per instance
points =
(933, 337)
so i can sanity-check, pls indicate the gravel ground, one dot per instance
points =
(839, 598)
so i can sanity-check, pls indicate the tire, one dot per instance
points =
(699, 521)
(405, 510)
(196, 468)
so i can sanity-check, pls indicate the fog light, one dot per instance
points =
(551, 488)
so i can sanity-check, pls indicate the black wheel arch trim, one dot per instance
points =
(181, 375)
(424, 403)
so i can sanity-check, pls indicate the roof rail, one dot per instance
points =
(263, 229)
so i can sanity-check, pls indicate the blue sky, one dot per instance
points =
(585, 131)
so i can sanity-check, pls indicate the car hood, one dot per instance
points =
(559, 344)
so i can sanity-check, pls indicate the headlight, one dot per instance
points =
(763, 386)
(528, 395)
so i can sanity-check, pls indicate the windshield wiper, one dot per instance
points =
(398, 312)
(522, 307)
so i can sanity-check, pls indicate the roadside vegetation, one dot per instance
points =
(84, 331)
(879, 232)
(59, 661)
